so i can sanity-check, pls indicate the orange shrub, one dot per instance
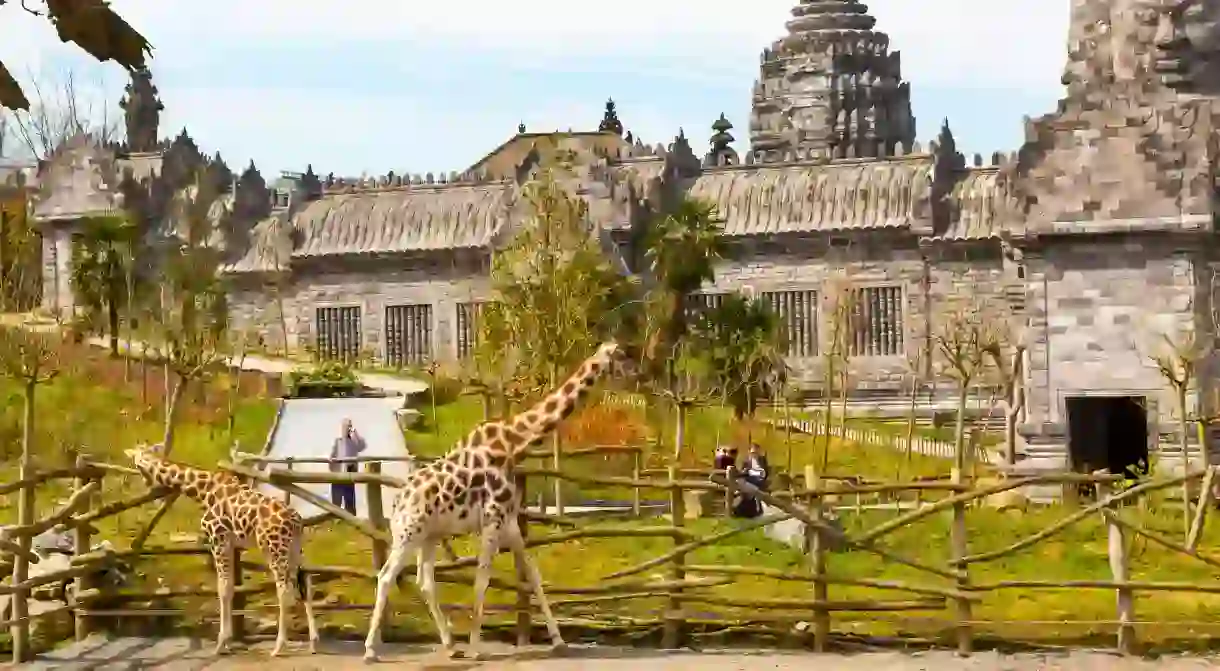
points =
(603, 425)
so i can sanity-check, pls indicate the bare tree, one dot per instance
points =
(60, 109)
(840, 308)
(1006, 351)
(961, 341)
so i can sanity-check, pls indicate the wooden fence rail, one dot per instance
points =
(688, 592)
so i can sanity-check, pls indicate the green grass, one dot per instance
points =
(88, 407)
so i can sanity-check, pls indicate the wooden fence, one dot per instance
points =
(690, 604)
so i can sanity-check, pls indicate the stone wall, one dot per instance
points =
(57, 295)
(440, 281)
(1099, 308)
(926, 278)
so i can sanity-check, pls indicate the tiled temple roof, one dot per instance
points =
(851, 195)
(982, 205)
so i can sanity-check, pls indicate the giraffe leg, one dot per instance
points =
(385, 582)
(427, 585)
(284, 592)
(305, 582)
(512, 536)
(487, 553)
(222, 555)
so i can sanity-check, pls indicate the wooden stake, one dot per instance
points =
(376, 515)
(960, 549)
(671, 637)
(815, 542)
(1124, 596)
(80, 546)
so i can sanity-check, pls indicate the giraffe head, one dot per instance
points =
(145, 457)
(617, 360)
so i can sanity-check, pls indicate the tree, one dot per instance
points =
(840, 310)
(556, 294)
(962, 340)
(742, 342)
(58, 112)
(193, 313)
(101, 267)
(90, 24)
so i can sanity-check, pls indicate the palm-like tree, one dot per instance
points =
(103, 261)
(681, 250)
(742, 343)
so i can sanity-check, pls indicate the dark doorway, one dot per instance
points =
(1109, 432)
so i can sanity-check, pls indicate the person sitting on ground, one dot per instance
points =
(757, 472)
(348, 445)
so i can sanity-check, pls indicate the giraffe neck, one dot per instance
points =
(544, 416)
(191, 482)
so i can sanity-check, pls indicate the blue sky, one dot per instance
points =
(376, 85)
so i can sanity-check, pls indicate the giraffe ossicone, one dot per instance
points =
(472, 489)
(234, 515)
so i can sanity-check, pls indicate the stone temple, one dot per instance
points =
(1098, 232)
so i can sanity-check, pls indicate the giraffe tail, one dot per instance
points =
(302, 580)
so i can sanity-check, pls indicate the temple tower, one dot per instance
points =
(830, 88)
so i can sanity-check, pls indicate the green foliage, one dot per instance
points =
(102, 263)
(329, 378)
(742, 343)
(557, 296)
(681, 249)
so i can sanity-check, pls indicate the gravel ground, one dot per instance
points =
(192, 655)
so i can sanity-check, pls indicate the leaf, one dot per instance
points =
(11, 95)
(95, 27)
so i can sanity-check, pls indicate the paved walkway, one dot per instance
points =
(190, 655)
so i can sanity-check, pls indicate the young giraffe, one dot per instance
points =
(233, 515)
(472, 489)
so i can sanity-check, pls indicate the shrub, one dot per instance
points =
(330, 378)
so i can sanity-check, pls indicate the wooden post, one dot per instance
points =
(239, 599)
(80, 546)
(960, 548)
(20, 630)
(376, 515)
(816, 546)
(671, 636)
(1124, 596)
(556, 463)
(524, 624)
(637, 459)
(287, 496)
(730, 474)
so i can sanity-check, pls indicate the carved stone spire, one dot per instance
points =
(830, 88)
(142, 112)
(610, 122)
(721, 152)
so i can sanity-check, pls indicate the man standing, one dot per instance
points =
(349, 444)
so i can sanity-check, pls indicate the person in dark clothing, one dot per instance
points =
(725, 457)
(756, 471)
(349, 444)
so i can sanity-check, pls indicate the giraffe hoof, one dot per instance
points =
(559, 649)
(453, 652)
(370, 656)
(221, 649)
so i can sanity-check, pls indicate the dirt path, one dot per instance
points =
(193, 655)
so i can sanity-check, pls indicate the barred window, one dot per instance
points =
(408, 334)
(468, 315)
(798, 320)
(876, 322)
(338, 330)
(698, 304)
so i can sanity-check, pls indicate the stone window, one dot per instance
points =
(798, 320)
(468, 328)
(408, 335)
(698, 304)
(338, 333)
(876, 322)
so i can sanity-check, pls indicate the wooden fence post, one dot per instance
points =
(671, 636)
(524, 623)
(637, 465)
(20, 608)
(960, 548)
(288, 496)
(817, 563)
(730, 475)
(80, 546)
(1124, 596)
(376, 514)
